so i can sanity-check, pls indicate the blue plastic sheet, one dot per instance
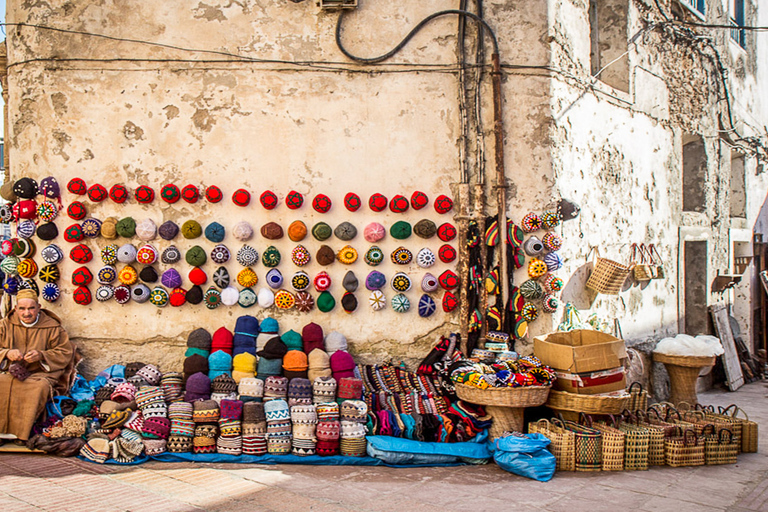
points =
(524, 456)
(406, 452)
(334, 460)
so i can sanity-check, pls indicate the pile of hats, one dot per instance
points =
(244, 348)
(182, 427)
(299, 392)
(254, 428)
(328, 428)
(353, 417)
(526, 371)
(275, 388)
(278, 426)
(223, 387)
(304, 420)
(349, 388)
(271, 359)
(172, 386)
(156, 427)
(324, 390)
(220, 360)
(269, 329)
(198, 349)
(230, 440)
(206, 418)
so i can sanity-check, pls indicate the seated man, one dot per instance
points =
(33, 345)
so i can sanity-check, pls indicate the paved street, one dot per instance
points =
(32, 482)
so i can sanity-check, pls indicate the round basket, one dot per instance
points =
(689, 361)
(526, 396)
(589, 404)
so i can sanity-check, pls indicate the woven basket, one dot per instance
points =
(657, 433)
(748, 431)
(733, 425)
(588, 404)
(683, 373)
(720, 448)
(638, 397)
(612, 446)
(526, 396)
(684, 449)
(562, 443)
(636, 446)
(607, 276)
(588, 444)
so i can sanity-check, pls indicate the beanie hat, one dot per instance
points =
(374, 256)
(321, 203)
(243, 366)
(334, 342)
(292, 340)
(197, 276)
(252, 387)
(322, 231)
(195, 364)
(96, 192)
(168, 230)
(77, 186)
(140, 293)
(219, 363)
(319, 364)
(247, 298)
(170, 193)
(374, 232)
(91, 228)
(190, 194)
(349, 302)
(345, 231)
(148, 274)
(214, 232)
(76, 210)
(48, 231)
(241, 197)
(146, 230)
(268, 199)
(268, 367)
(377, 202)
(312, 336)
(199, 338)
(171, 278)
(446, 232)
(222, 340)
(274, 349)
(242, 231)
(350, 388)
(326, 302)
(212, 298)
(144, 194)
(295, 364)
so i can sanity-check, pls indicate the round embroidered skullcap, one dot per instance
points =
(212, 298)
(531, 290)
(144, 194)
(268, 200)
(76, 210)
(229, 296)
(549, 304)
(221, 277)
(73, 233)
(147, 254)
(196, 256)
(50, 292)
(77, 186)
(374, 256)
(400, 303)
(140, 293)
(549, 219)
(126, 254)
(347, 255)
(171, 255)
(170, 193)
(122, 294)
(345, 231)
(105, 293)
(377, 300)
(374, 232)
(377, 202)
(284, 299)
(297, 231)
(49, 274)
(274, 278)
(46, 211)
(322, 281)
(158, 296)
(247, 256)
(349, 302)
(177, 297)
(266, 297)
(425, 228)
(220, 254)
(400, 230)
(82, 296)
(171, 278)
(427, 306)
(294, 200)
(213, 194)
(530, 223)
(272, 231)
(271, 257)
(533, 246)
(321, 231)
(109, 254)
(325, 302)
(197, 276)
(352, 202)
(241, 197)
(443, 204)
(168, 230)
(446, 232)
(553, 261)
(48, 231)
(108, 228)
(425, 258)
(553, 283)
(530, 312)
(300, 281)
(126, 227)
(304, 302)
(25, 229)
(146, 230)
(28, 268)
(401, 282)
(148, 274)
(429, 283)
(191, 229)
(214, 232)
(401, 256)
(325, 255)
(321, 203)
(190, 193)
(52, 254)
(106, 275)
(128, 275)
(96, 193)
(194, 295)
(242, 231)
(26, 248)
(375, 280)
(446, 253)
(246, 298)
(300, 256)
(118, 193)
(448, 280)
(552, 241)
(350, 282)
(398, 204)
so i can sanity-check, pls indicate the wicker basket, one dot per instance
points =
(607, 276)
(588, 404)
(504, 405)
(562, 443)
(683, 373)
(636, 447)
(720, 448)
(732, 424)
(748, 430)
(684, 449)
(638, 397)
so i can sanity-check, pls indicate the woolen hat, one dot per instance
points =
(168, 230)
(247, 277)
(200, 338)
(242, 231)
(274, 278)
(319, 364)
(400, 230)
(342, 365)
(425, 258)
(427, 306)
(352, 202)
(300, 281)
(213, 194)
(214, 232)
(126, 227)
(349, 302)
(374, 256)
(345, 231)
(292, 340)
(171, 278)
(48, 231)
(148, 274)
(443, 204)
(195, 295)
(325, 255)
(191, 229)
(274, 349)
(241, 197)
(144, 194)
(268, 199)
(295, 364)
(271, 257)
(146, 230)
(126, 254)
(272, 231)
(140, 293)
(322, 231)
(269, 325)
(266, 297)
(350, 282)
(247, 298)
(197, 276)
(377, 202)
(326, 302)
(446, 232)
(269, 367)
(312, 337)
(247, 256)
(194, 364)
(419, 200)
(229, 296)
(429, 283)
(91, 228)
(196, 256)
(401, 303)
(221, 277)
(223, 340)
(375, 280)
(304, 302)
(170, 193)
(297, 231)
(425, 228)
(335, 341)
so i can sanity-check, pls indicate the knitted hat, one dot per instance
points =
(170, 193)
(350, 388)
(126, 253)
(284, 299)
(159, 297)
(80, 277)
(247, 298)
(25, 229)
(322, 281)
(446, 232)
(144, 194)
(342, 364)
(80, 254)
(322, 231)
(126, 227)
(401, 256)
(196, 256)
(294, 200)
(148, 275)
(194, 295)
(247, 277)
(73, 233)
(374, 256)
(352, 202)
(319, 363)
(171, 278)
(118, 193)
(251, 387)
(419, 200)
(448, 280)
(91, 228)
(191, 229)
(304, 302)
(267, 367)
(243, 366)
(335, 341)
(271, 257)
(443, 204)
(274, 349)
(374, 232)
(349, 302)
(425, 258)
(214, 232)
(199, 338)
(269, 325)
(398, 204)
(292, 340)
(274, 278)
(266, 297)
(429, 283)
(50, 292)
(400, 303)
(312, 337)
(401, 282)
(221, 277)
(229, 296)
(400, 230)
(375, 280)
(168, 230)
(427, 306)
(220, 254)
(213, 194)
(377, 202)
(198, 276)
(242, 231)
(450, 302)
(300, 256)
(297, 231)
(345, 231)
(77, 186)
(268, 199)
(300, 281)
(140, 293)
(48, 231)
(52, 254)
(241, 197)
(147, 254)
(321, 203)
(446, 253)
(350, 282)
(96, 193)
(50, 274)
(295, 364)
(325, 255)
(347, 255)
(425, 228)
(272, 231)
(222, 340)
(76, 210)
(247, 256)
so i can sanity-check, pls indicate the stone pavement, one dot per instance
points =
(33, 482)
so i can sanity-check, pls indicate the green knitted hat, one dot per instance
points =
(126, 227)
(196, 256)
(292, 340)
(325, 302)
(400, 230)
(191, 229)
(322, 231)
(271, 257)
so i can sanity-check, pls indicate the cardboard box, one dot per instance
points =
(580, 351)
(592, 383)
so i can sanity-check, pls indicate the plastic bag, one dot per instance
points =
(525, 456)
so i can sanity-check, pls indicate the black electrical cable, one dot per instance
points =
(409, 36)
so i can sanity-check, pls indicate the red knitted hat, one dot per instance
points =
(81, 254)
(77, 186)
(82, 277)
(443, 204)
(197, 276)
(144, 194)
(241, 197)
(82, 295)
(191, 194)
(76, 210)
(213, 194)
(222, 340)
(446, 232)
(352, 202)
(97, 193)
(177, 297)
(448, 280)
(73, 233)
(268, 199)
(449, 302)
(419, 200)
(321, 203)
(170, 193)
(398, 204)
(118, 193)
(312, 337)
(446, 253)
(377, 202)
(294, 200)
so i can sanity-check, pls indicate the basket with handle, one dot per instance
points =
(588, 404)
(562, 443)
(657, 432)
(657, 264)
(732, 424)
(720, 448)
(636, 445)
(607, 276)
(748, 430)
(701, 420)
(612, 444)
(588, 446)
(638, 397)
(641, 271)
(683, 448)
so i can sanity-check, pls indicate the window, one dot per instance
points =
(696, 316)
(736, 18)
(609, 59)
(697, 6)
(694, 174)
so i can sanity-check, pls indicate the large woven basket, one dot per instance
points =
(683, 372)
(588, 404)
(607, 276)
(526, 396)
(688, 361)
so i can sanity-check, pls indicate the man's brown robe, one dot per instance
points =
(22, 402)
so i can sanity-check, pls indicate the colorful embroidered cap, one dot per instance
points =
(268, 200)
(352, 202)
(294, 200)
(419, 200)
(213, 194)
(321, 203)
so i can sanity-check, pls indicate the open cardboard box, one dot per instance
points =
(591, 383)
(580, 351)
